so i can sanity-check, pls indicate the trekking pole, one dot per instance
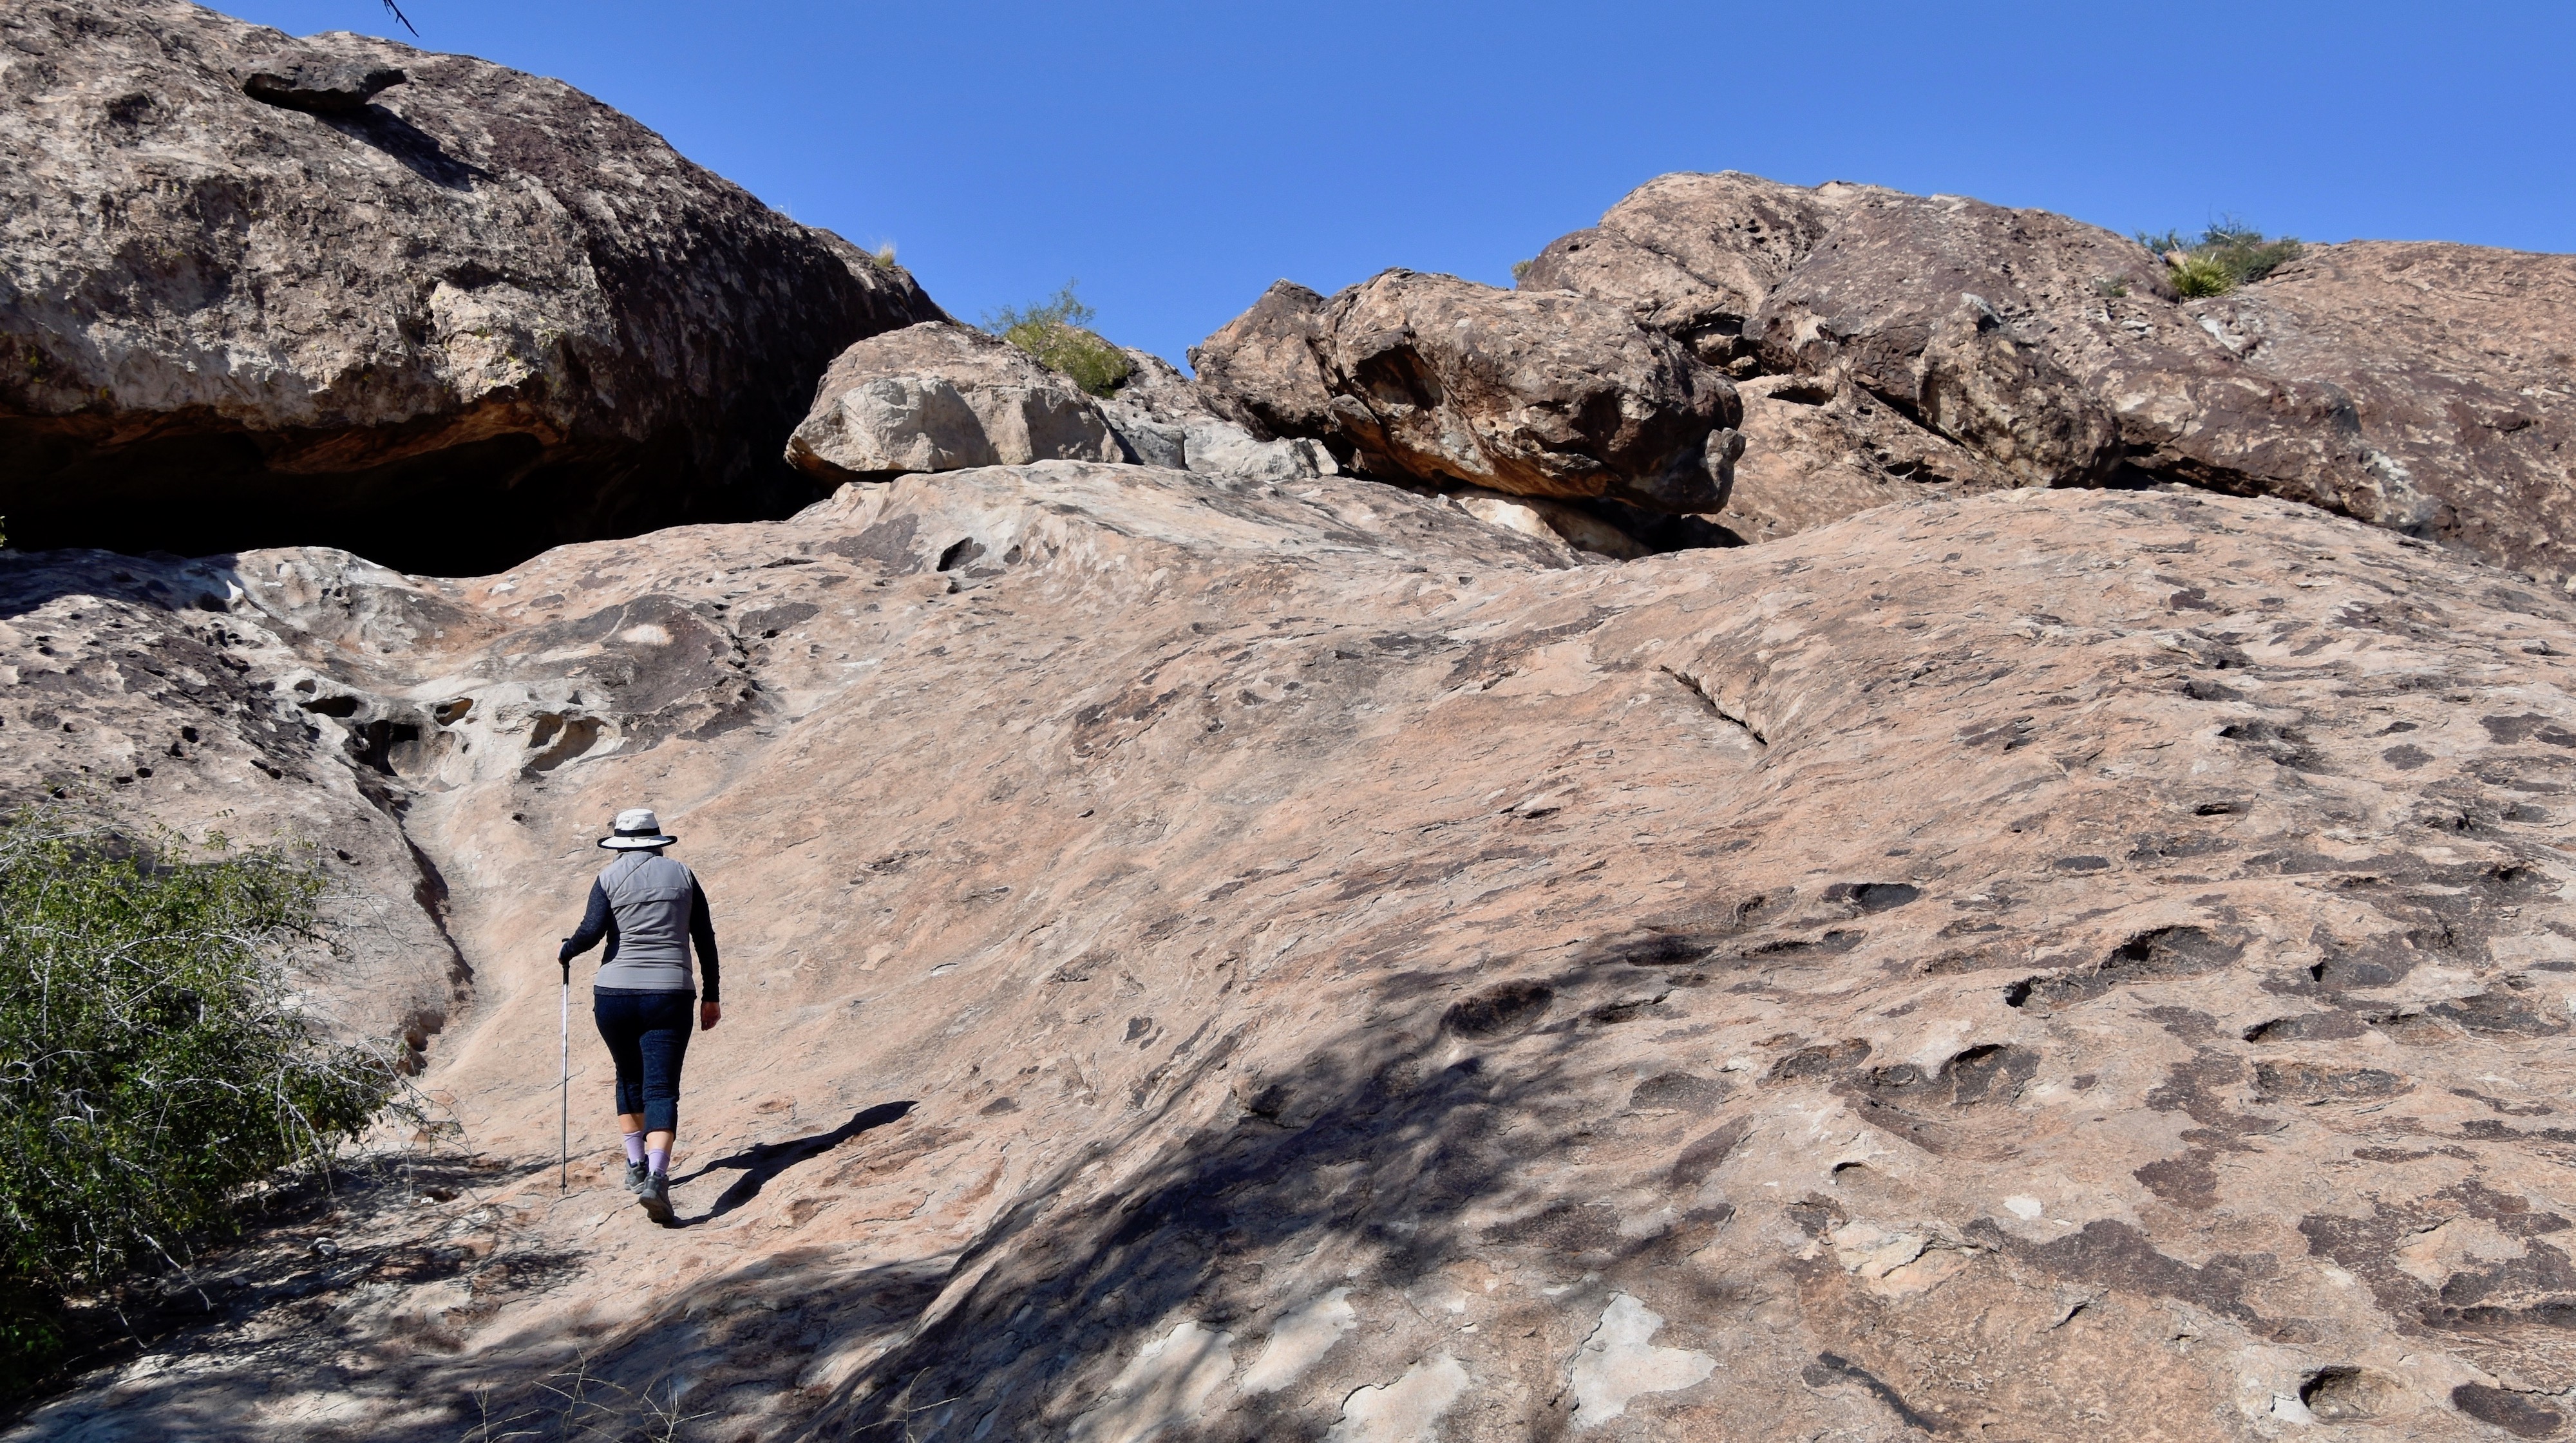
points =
(563, 1126)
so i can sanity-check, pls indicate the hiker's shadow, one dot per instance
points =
(763, 1161)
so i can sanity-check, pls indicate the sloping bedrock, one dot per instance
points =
(1252, 961)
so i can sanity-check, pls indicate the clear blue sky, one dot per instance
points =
(1180, 157)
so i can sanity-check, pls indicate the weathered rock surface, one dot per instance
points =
(448, 328)
(1164, 419)
(1437, 379)
(2421, 388)
(236, 697)
(1207, 959)
(1818, 449)
(1694, 254)
(943, 397)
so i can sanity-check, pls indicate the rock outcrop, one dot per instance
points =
(943, 397)
(1212, 960)
(1434, 379)
(2366, 378)
(1695, 255)
(250, 295)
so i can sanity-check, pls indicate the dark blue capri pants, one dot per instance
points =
(648, 1035)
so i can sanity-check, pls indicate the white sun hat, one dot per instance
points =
(637, 827)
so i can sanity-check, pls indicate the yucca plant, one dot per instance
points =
(2228, 254)
(2196, 275)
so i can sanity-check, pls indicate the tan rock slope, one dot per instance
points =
(255, 291)
(1212, 959)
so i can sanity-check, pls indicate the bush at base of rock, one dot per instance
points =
(154, 1059)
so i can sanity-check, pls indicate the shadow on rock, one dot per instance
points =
(1374, 1151)
(763, 1161)
(416, 148)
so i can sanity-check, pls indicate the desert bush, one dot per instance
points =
(1055, 333)
(2200, 276)
(2227, 254)
(2245, 252)
(155, 1061)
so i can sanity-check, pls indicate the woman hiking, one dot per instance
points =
(651, 910)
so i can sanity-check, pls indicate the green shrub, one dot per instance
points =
(2201, 276)
(154, 1060)
(1054, 334)
(2244, 251)
(2228, 254)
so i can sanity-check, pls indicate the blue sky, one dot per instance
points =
(1179, 157)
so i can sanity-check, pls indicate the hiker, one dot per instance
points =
(651, 910)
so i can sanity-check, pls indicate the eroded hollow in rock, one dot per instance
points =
(197, 486)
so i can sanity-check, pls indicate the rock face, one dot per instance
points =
(1212, 960)
(943, 397)
(238, 696)
(478, 315)
(2056, 353)
(1436, 379)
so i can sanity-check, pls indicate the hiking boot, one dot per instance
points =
(636, 1175)
(655, 1195)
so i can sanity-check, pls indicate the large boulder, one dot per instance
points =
(2442, 374)
(943, 397)
(254, 290)
(2416, 387)
(1443, 380)
(1694, 254)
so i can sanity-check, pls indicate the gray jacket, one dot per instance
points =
(651, 910)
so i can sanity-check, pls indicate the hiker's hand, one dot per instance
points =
(709, 1014)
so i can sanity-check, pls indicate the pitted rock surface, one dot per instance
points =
(1208, 959)
(450, 326)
